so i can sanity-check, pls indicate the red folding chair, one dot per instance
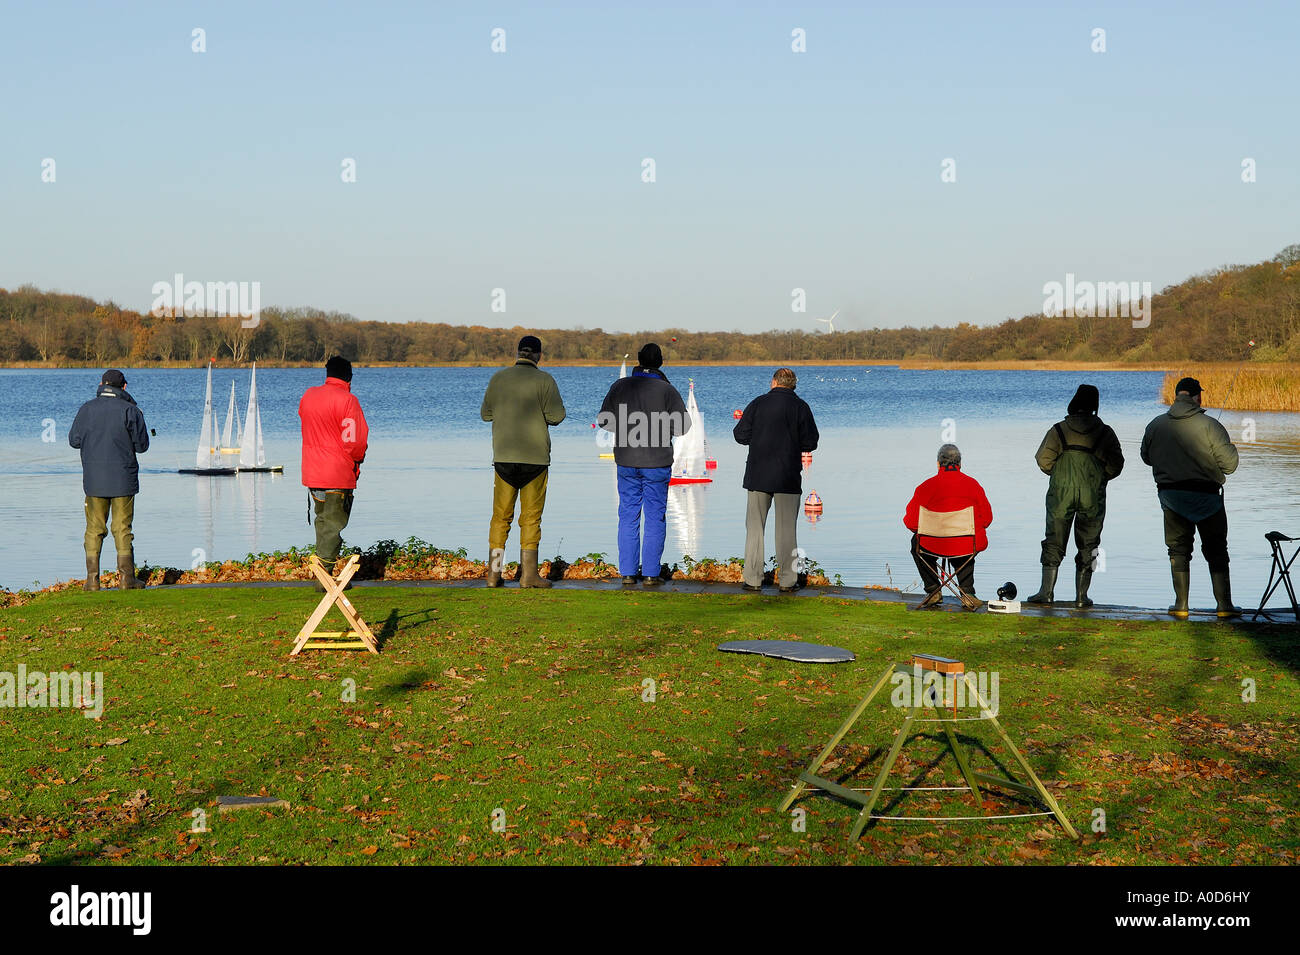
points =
(950, 525)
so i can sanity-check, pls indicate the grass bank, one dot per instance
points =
(535, 703)
(414, 559)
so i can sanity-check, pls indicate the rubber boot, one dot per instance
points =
(1223, 594)
(528, 576)
(1082, 581)
(496, 558)
(1045, 593)
(127, 579)
(1182, 584)
(92, 573)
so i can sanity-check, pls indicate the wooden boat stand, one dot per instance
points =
(358, 637)
(930, 702)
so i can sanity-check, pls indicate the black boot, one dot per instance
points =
(528, 575)
(1082, 581)
(1045, 593)
(1223, 594)
(127, 579)
(1182, 584)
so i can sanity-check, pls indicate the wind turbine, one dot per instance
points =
(830, 322)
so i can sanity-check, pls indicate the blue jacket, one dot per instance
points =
(110, 431)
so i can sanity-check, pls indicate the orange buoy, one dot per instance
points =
(812, 502)
(807, 459)
(738, 414)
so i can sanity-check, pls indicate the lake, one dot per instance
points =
(428, 472)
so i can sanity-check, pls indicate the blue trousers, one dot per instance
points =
(641, 490)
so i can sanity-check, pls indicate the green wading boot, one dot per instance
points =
(1082, 581)
(127, 579)
(1182, 584)
(1045, 593)
(528, 575)
(92, 573)
(496, 559)
(1223, 594)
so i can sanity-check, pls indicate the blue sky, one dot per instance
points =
(522, 170)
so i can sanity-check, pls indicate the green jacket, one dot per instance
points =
(1081, 454)
(521, 401)
(1187, 447)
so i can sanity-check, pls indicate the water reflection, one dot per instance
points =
(686, 518)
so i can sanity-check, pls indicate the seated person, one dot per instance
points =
(948, 491)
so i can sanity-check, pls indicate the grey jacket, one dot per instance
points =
(1187, 449)
(109, 430)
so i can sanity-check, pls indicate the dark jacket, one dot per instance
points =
(110, 431)
(522, 401)
(644, 413)
(1187, 449)
(778, 427)
(1081, 454)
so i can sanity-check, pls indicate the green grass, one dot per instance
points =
(531, 702)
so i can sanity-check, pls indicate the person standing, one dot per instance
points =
(334, 440)
(109, 430)
(1080, 454)
(644, 413)
(1191, 455)
(778, 427)
(948, 492)
(522, 402)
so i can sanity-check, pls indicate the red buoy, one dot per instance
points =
(738, 414)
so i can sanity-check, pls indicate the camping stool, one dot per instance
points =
(1280, 573)
(358, 637)
(917, 711)
(950, 525)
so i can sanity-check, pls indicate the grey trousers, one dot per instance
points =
(787, 512)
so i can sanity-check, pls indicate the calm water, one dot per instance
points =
(428, 472)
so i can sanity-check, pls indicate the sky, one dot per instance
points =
(523, 170)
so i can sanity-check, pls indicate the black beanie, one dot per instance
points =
(338, 367)
(650, 356)
(1085, 401)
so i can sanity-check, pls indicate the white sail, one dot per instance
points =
(229, 431)
(688, 450)
(204, 457)
(622, 372)
(252, 453)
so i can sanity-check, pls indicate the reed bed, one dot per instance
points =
(1271, 387)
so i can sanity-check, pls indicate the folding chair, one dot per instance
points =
(1279, 575)
(950, 525)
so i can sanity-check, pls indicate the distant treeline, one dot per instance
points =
(1209, 317)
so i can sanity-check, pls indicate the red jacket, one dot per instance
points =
(334, 435)
(950, 491)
